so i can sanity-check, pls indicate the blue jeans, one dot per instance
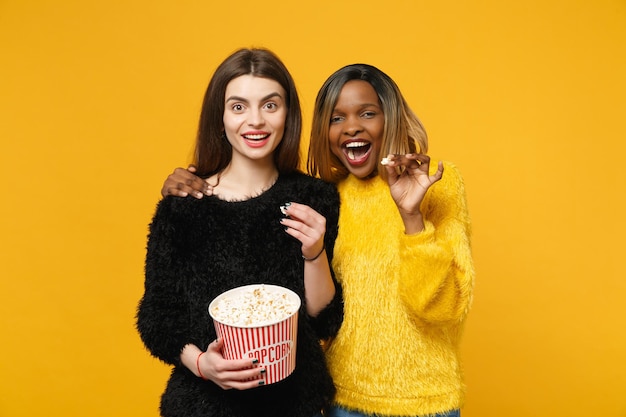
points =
(342, 412)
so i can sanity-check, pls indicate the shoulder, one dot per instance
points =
(181, 211)
(171, 205)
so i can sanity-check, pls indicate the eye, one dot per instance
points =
(336, 119)
(368, 114)
(237, 107)
(271, 106)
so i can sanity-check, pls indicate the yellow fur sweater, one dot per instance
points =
(406, 299)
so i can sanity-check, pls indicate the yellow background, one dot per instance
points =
(99, 102)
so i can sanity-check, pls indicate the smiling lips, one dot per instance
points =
(256, 139)
(357, 151)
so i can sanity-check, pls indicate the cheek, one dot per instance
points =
(280, 118)
(376, 147)
(279, 124)
(333, 142)
(377, 136)
(231, 122)
(336, 151)
(334, 135)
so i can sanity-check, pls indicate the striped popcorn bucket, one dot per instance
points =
(273, 343)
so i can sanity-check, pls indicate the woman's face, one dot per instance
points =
(356, 128)
(254, 116)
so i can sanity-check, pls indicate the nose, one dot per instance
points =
(352, 126)
(255, 117)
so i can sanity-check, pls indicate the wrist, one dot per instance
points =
(413, 223)
(198, 366)
(316, 256)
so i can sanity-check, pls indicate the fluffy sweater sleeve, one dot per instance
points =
(436, 268)
(164, 316)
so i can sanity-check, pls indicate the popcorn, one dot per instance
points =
(253, 306)
(385, 161)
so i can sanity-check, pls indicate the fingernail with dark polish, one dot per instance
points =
(255, 361)
(261, 382)
(284, 207)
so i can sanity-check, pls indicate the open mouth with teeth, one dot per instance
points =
(256, 140)
(357, 152)
(256, 137)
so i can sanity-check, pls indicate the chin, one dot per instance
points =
(362, 172)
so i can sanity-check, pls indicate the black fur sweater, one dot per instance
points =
(198, 249)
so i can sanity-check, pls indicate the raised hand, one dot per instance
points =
(306, 225)
(409, 179)
(309, 227)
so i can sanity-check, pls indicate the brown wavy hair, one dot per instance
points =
(213, 152)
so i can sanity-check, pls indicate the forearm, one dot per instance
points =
(319, 288)
(413, 223)
(189, 358)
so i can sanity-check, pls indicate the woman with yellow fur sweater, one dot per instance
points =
(402, 253)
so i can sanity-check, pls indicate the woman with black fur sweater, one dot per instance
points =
(265, 222)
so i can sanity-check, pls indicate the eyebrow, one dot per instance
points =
(364, 105)
(267, 97)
